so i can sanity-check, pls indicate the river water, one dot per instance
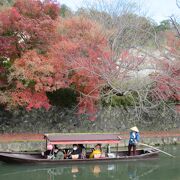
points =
(164, 168)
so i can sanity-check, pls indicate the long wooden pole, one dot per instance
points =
(156, 149)
(152, 147)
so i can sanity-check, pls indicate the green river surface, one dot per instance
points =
(163, 168)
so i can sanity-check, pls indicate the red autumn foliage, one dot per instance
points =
(6, 48)
(36, 9)
(74, 55)
(31, 100)
(168, 82)
(173, 43)
(27, 25)
(168, 72)
(80, 54)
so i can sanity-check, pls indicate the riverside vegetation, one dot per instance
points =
(90, 70)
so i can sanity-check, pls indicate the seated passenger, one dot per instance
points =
(67, 153)
(55, 150)
(76, 152)
(60, 155)
(96, 153)
(83, 151)
(49, 152)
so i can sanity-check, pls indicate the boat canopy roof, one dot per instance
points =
(82, 138)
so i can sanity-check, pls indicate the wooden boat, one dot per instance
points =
(69, 139)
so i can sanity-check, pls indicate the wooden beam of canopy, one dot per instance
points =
(82, 138)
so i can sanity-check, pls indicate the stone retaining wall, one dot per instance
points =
(66, 121)
(22, 146)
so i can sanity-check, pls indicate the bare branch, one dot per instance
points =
(178, 3)
(173, 20)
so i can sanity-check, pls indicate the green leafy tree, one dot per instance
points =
(164, 25)
(65, 11)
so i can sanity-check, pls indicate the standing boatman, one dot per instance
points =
(133, 140)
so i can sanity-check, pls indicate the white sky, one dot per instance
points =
(161, 9)
(156, 9)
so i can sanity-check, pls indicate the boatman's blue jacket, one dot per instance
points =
(134, 137)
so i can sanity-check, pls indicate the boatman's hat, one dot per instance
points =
(134, 129)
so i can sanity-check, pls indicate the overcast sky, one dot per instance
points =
(156, 9)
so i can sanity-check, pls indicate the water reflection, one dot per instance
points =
(109, 171)
(129, 171)
(132, 173)
(96, 170)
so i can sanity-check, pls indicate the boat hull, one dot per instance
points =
(32, 158)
